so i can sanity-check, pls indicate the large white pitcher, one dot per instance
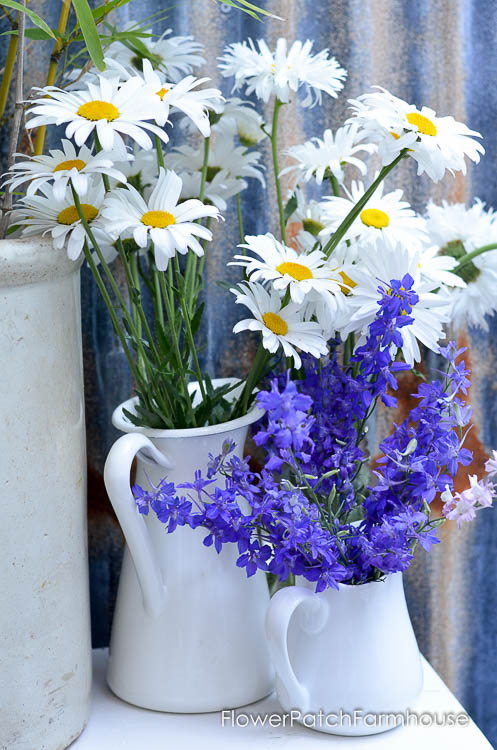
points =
(45, 646)
(346, 661)
(188, 630)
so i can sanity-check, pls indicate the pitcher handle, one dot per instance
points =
(281, 608)
(117, 482)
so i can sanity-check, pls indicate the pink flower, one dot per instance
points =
(482, 493)
(458, 508)
(462, 506)
(491, 465)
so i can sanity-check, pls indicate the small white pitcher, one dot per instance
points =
(188, 630)
(345, 658)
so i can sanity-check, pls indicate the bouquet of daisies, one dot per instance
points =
(116, 193)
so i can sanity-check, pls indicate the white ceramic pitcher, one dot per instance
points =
(346, 651)
(188, 630)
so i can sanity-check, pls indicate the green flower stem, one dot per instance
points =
(192, 272)
(138, 313)
(274, 148)
(189, 333)
(130, 322)
(258, 366)
(157, 296)
(133, 282)
(474, 254)
(205, 166)
(134, 287)
(240, 221)
(348, 348)
(335, 186)
(198, 279)
(138, 323)
(139, 317)
(159, 151)
(170, 287)
(168, 302)
(101, 258)
(354, 213)
(115, 322)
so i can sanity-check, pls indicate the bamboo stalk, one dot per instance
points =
(16, 122)
(8, 70)
(52, 70)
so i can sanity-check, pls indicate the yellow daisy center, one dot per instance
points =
(70, 164)
(98, 110)
(70, 214)
(374, 217)
(348, 284)
(275, 323)
(161, 93)
(423, 124)
(297, 271)
(158, 219)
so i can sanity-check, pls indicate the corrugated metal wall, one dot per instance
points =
(441, 53)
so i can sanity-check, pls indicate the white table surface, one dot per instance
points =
(116, 725)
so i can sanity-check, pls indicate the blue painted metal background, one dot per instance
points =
(436, 52)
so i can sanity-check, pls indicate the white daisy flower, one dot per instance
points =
(286, 269)
(238, 117)
(477, 299)
(438, 268)
(40, 214)
(458, 230)
(320, 158)
(234, 117)
(385, 219)
(331, 312)
(280, 326)
(310, 215)
(169, 225)
(453, 222)
(223, 155)
(378, 268)
(176, 56)
(140, 169)
(283, 71)
(182, 97)
(62, 165)
(110, 108)
(436, 143)
(218, 190)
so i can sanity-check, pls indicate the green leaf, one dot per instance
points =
(35, 18)
(197, 319)
(103, 10)
(31, 33)
(290, 207)
(250, 8)
(90, 33)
